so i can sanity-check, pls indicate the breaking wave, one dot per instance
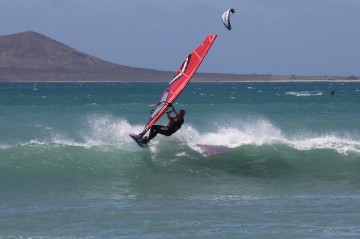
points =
(304, 93)
(108, 131)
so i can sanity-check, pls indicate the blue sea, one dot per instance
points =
(252, 160)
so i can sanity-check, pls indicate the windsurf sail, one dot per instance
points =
(182, 77)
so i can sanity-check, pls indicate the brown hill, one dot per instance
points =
(30, 56)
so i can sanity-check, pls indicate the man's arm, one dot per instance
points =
(168, 116)
(169, 113)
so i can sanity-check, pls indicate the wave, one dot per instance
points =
(103, 158)
(172, 168)
(304, 93)
(108, 131)
(262, 132)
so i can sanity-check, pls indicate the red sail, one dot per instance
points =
(181, 79)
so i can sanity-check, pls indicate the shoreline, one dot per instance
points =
(165, 77)
(194, 81)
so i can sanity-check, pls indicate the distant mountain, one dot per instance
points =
(33, 57)
(30, 56)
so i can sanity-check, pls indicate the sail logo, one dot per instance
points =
(182, 69)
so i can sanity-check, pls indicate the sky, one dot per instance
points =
(279, 37)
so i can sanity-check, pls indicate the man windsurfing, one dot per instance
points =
(174, 124)
(176, 86)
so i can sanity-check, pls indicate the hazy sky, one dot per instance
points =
(300, 37)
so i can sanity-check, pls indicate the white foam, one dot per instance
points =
(260, 132)
(97, 131)
(304, 93)
(339, 144)
(27, 143)
(107, 130)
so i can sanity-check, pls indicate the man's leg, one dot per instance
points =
(155, 129)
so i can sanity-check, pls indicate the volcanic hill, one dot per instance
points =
(30, 56)
(33, 57)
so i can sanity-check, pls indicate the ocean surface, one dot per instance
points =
(253, 160)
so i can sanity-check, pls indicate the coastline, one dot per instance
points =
(152, 76)
(43, 59)
(273, 81)
(197, 81)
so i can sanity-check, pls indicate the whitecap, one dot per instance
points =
(304, 93)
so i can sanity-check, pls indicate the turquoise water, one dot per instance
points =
(253, 160)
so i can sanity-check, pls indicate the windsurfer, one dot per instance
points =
(174, 124)
(171, 93)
